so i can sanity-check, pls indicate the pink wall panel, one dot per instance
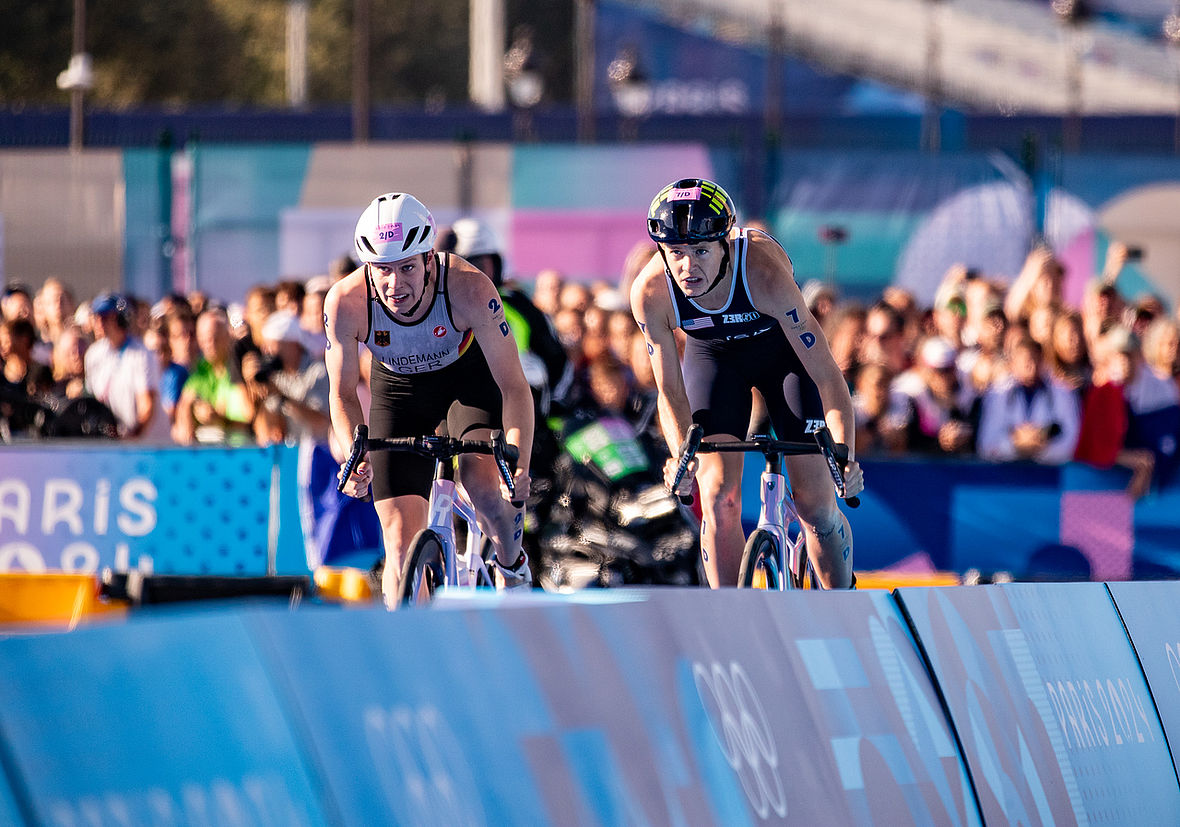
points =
(585, 245)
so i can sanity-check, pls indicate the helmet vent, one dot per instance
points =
(410, 236)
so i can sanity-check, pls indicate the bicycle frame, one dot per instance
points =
(447, 500)
(460, 569)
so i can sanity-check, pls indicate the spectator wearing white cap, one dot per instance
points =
(292, 386)
(936, 403)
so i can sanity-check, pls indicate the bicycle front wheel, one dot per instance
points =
(424, 570)
(761, 563)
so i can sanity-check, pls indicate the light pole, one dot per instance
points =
(1172, 33)
(297, 53)
(361, 89)
(932, 114)
(584, 71)
(77, 78)
(1071, 14)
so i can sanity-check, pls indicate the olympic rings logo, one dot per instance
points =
(742, 730)
(421, 766)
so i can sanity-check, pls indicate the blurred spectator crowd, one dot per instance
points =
(998, 367)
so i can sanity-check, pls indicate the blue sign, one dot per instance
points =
(1149, 612)
(165, 721)
(204, 510)
(1050, 705)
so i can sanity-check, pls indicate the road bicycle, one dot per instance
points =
(434, 560)
(775, 556)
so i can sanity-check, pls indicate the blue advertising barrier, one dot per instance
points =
(1075, 521)
(8, 808)
(1149, 612)
(213, 510)
(1053, 714)
(674, 706)
(163, 721)
(205, 510)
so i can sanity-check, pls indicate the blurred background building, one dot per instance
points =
(221, 143)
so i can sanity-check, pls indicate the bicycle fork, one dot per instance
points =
(777, 514)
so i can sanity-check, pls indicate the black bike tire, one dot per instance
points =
(761, 549)
(424, 570)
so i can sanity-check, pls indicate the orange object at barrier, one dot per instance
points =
(52, 598)
(886, 579)
(341, 584)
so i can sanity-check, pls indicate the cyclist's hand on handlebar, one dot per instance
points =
(358, 484)
(685, 487)
(854, 479)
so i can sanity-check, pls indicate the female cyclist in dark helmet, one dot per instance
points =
(733, 293)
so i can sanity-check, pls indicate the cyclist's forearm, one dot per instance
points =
(346, 414)
(674, 421)
(518, 425)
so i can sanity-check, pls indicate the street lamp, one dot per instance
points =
(932, 114)
(78, 77)
(526, 86)
(630, 88)
(1071, 13)
(1172, 35)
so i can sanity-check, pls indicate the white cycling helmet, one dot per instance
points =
(474, 238)
(394, 226)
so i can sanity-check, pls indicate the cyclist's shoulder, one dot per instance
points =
(650, 288)
(349, 294)
(769, 272)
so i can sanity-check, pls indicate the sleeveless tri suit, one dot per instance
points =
(424, 374)
(734, 349)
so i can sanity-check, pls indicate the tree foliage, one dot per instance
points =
(194, 52)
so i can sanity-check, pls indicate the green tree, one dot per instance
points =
(233, 52)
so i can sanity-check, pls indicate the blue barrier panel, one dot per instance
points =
(200, 510)
(1050, 705)
(821, 706)
(671, 707)
(414, 717)
(1149, 612)
(163, 721)
(8, 809)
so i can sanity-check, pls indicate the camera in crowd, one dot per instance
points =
(268, 368)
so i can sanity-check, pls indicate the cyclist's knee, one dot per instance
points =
(821, 518)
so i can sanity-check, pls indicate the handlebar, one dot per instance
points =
(439, 448)
(835, 453)
(688, 450)
(360, 442)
